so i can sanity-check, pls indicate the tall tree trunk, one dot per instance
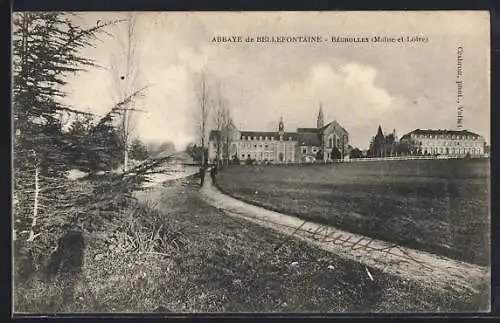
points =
(125, 147)
(35, 205)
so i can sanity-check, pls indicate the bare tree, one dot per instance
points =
(219, 120)
(202, 110)
(125, 69)
(223, 124)
(228, 127)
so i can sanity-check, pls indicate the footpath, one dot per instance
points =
(416, 265)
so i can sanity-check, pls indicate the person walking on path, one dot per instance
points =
(213, 172)
(202, 175)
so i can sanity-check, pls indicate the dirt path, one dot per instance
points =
(423, 267)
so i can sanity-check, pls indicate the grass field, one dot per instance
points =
(215, 263)
(441, 206)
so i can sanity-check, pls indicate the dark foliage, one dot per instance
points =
(196, 152)
(336, 154)
(356, 153)
(46, 49)
(138, 150)
(319, 155)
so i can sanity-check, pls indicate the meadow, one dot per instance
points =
(440, 206)
(201, 260)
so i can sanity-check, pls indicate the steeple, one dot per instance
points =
(281, 126)
(321, 119)
(379, 131)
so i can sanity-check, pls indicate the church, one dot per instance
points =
(280, 146)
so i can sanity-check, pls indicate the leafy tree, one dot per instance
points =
(197, 153)
(235, 160)
(336, 154)
(404, 148)
(138, 150)
(46, 49)
(356, 153)
(106, 145)
(319, 155)
(80, 142)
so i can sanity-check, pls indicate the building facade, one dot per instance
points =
(384, 145)
(304, 145)
(457, 143)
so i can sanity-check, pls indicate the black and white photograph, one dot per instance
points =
(251, 162)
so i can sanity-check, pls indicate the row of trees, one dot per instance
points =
(100, 146)
(336, 153)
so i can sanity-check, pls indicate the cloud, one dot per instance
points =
(359, 78)
(167, 107)
(348, 94)
(170, 102)
(359, 86)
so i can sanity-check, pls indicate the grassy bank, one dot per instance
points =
(441, 206)
(209, 262)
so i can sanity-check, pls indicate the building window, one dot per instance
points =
(254, 146)
(330, 143)
(304, 150)
(260, 138)
(266, 138)
(272, 138)
(289, 138)
(242, 156)
(266, 146)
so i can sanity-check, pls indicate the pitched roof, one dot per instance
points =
(268, 134)
(442, 132)
(337, 125)
(310, 130)
(309, 139)
(258, 134)
(214, 134)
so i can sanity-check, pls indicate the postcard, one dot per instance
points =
(251, 162)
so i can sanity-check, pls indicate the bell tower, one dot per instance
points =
(281, 126)
(321, 118)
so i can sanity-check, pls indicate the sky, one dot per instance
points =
(401, 86)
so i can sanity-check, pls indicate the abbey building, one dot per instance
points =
(281, 146)
(457, 143)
